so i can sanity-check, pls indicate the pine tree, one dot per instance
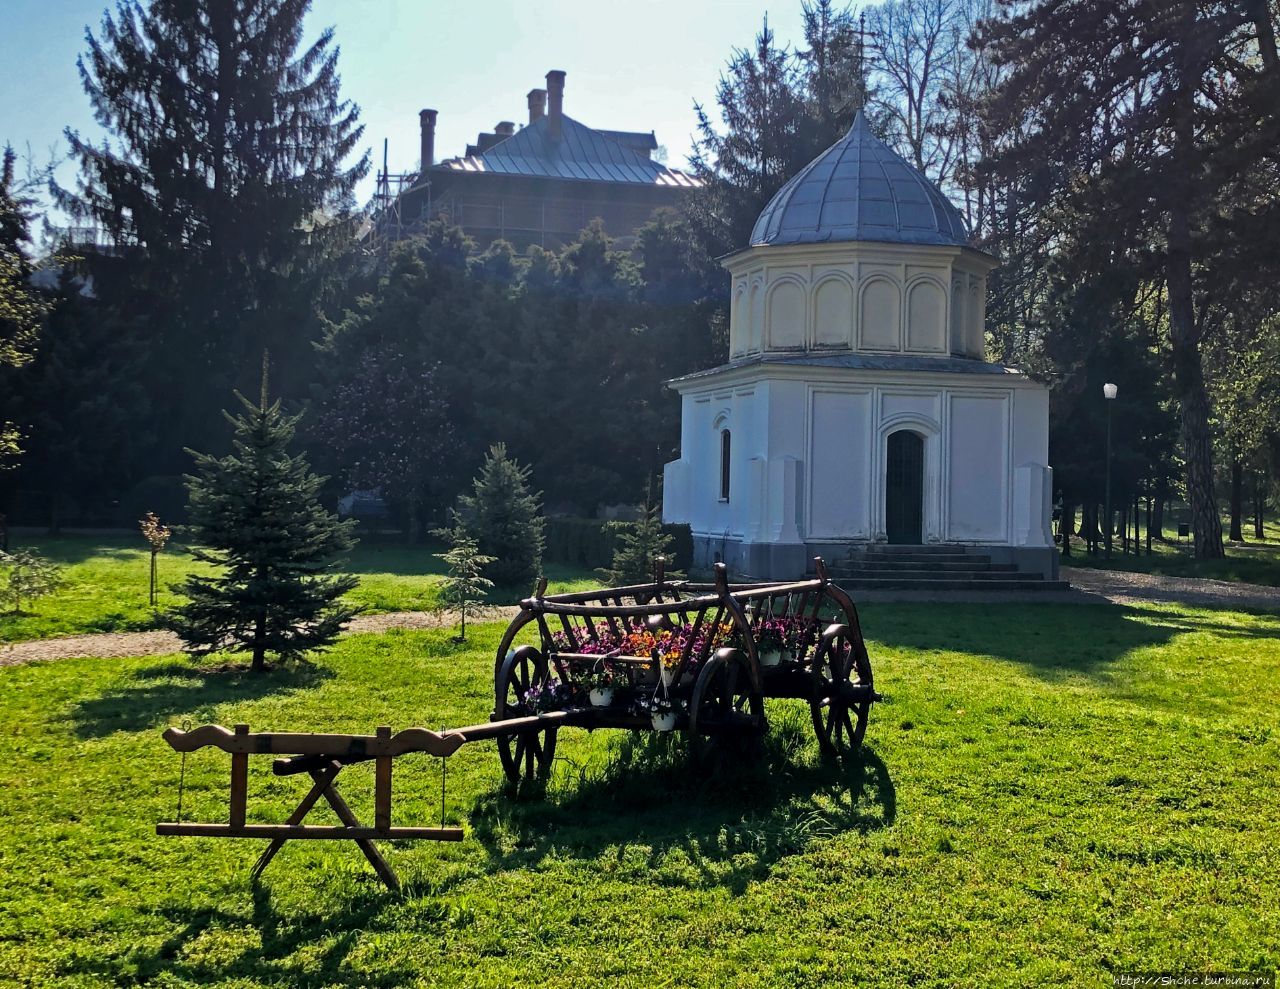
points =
(22, 308)
(762, 106)
(639, 547)
(226, 181)
(504, 518)
(256, 515)
(464, 585)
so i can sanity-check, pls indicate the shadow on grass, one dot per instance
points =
(68, 550)
(1055, 641)
(650, 810)
(155, 694)
(326, 935)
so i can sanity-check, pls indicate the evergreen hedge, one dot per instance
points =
(589, 543)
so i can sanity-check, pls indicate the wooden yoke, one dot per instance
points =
(353, 747)
(323, 757)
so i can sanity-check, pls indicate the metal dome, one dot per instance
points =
(858, 189)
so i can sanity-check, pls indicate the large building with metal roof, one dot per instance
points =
(539, 184)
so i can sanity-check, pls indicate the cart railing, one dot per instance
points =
(691, 618)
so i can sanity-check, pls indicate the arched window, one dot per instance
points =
(724, 464)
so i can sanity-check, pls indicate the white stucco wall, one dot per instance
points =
(864, 297)
(808, 455)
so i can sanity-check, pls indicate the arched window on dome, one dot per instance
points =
(725, 444)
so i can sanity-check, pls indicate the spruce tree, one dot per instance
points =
(22, 308)
(504, 518)
(639, 547)
(256, 515)
(226, 180)
(464, 586)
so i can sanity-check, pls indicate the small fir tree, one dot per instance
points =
(26, 576)
(639, 547)
(504, 518)
(464, 586)
(256, 514)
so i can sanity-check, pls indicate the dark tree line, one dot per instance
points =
(1119, 156)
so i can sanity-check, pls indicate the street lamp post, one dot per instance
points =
(1109, 392)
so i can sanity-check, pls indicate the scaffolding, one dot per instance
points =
(387, 221)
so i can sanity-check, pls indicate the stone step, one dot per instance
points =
(896, 584)
(980, 563)
(925, 559)
(934, 575)
(891, 548)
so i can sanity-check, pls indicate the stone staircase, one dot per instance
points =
(934, 568)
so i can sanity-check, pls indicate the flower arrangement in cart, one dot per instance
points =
(613, 682)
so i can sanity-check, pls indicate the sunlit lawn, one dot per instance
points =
(107, 580)
(1050, 793)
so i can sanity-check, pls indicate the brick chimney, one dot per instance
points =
(504, 129)
(537, 104)
(427, 123)
(555, 102)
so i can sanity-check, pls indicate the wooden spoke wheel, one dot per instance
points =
(525, 755)
(726, 714)
(839, 720)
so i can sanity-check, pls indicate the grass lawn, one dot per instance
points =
(1050, 793)
(1250, 562)
(106, 583)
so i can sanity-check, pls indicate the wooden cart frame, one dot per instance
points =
(719, 692)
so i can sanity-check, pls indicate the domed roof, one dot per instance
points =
(858, 189)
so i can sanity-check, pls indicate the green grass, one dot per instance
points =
(1049, 793)
(106, 584)
(1250, 562)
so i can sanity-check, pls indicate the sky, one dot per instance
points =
(637, 65)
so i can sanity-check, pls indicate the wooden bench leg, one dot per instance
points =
(323, 778)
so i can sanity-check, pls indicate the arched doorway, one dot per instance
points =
(904, 488)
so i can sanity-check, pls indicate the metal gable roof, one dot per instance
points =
(582, 154)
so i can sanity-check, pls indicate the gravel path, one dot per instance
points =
(1088, 586)
(108, 644)
(1119, 587)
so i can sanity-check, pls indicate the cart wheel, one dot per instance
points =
(725, 714)
(838, 723)
(526, 755)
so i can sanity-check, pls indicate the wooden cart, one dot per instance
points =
(700, 651)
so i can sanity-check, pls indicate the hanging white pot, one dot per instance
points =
(663, 720)
(771, 658)
(601, 696)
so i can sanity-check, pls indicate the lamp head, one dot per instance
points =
(1109, 390)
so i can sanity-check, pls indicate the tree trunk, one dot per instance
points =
(1237, 498)
(1258, 499)
(1260, 14)
(1067, 525)
(1184, 332)
(259, 643)
(1157, 521)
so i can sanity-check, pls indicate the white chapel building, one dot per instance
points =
(857, 408)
